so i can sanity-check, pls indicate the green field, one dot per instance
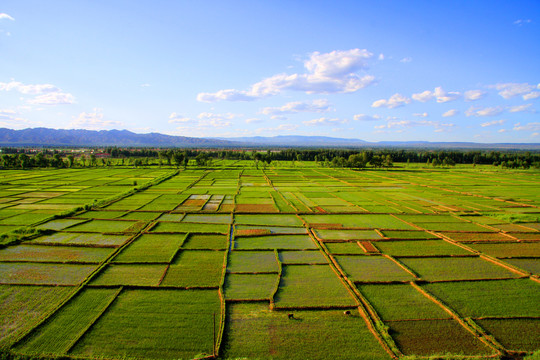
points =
(290, 261)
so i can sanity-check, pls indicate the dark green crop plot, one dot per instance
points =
(471, 268)
(86, 239)
(302, 257)
(430, 337)
(104, 226)
(156, 324)
(510, 250)
(360, 221)
(191, 227)
(279, 220)
(311, 286)
(402, 235)
(130, 274)
(270, 242)
(420, 247)
(401, 302)
(506, 298)
(514, 334)
(151, 248)
(344, 248)
(250, 286)
(255, 332)
(372, 269)
(252, 261)
(193, 268)
(530, 265)
(206, 241)
(328, 234)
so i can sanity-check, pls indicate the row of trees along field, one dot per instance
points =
(17, 158)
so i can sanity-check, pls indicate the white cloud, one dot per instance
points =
(381, 56)
(423, 96)
(493, 123)
(177, 118)
(4, 16)
(509, 90)
(531, 127)
(472, 95)
(406, 59)
(409, 124)
(212, 116)
(364, 117)
(443, 96)
(278, 117)
(324, 121)
(531, 95)
(93, 121)
(320, 105)
(395, 101)
(450, 113)
(489, 111)
(521, 108)
(253, 121)
(333, 72)
(55, 98)
(145, 85)
(31, 89)
(424, 114)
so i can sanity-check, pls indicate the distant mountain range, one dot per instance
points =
(125, 138)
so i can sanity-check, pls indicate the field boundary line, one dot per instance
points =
(476, 330)
(79, 336)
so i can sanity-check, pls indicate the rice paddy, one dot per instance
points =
(300, 262)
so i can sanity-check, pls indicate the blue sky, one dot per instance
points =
(378, 71)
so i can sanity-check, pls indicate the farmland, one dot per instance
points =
(293, 261)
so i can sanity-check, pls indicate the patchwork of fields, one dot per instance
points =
(289, 262)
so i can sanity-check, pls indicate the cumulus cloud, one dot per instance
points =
(424, 114)
(521, 22)
(253, 121)
(4, 16)
(320, 105)
(406, 59)
(395, 101)
(47, 94)
(333, 72)
(532, 126)
(521, 108)
(510, 90)
(489, 111)
(93, 121)
(177, 118)
(439, 94)
(450, 113)
(324, 121)
(472, 95)
(493, 123)
(364, 117)
(204, 120)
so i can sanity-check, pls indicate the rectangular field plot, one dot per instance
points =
(44, 274)
(430, 337)
(191, 227)
(59, 332)
(420, 248)
(465, 268)
(512, 250)
(82, 239)
(151, 248)
(60, 254)
(344, 248)
(529, 265)
(252, 261)
(102, 214)
(311, 286)
(506, 298)
(514, 334)
(250, 286)
(211, 219)
(130, 274)
(372, 269)
(270, 242)
(401, 302)
(366, 221)
(155, 324)
(204, 241)
(329, 234)
(193, 268)
(105, 226)
(255, 332)
(59, 224)
(23, 306)
(452, 226)
(276, 220)
(302, 257)
(406, 235)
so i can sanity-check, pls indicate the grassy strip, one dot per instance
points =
(221, 331)
(275, 290)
